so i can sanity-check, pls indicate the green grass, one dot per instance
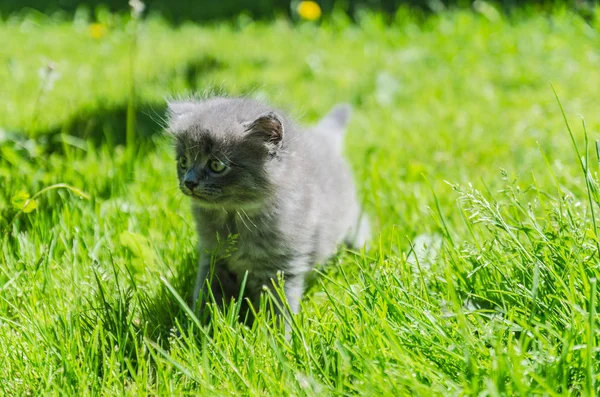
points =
(91, 74)
(456, 134)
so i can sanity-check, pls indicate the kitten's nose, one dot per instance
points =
(190, 184)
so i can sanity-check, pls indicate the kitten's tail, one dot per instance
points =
(337, 119)
(333, 125)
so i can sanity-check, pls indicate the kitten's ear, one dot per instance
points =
(268, 127)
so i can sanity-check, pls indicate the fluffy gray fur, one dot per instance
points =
(285, 193)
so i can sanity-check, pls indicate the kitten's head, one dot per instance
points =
(224, 150)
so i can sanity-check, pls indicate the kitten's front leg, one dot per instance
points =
(202, 283)
(293, 288)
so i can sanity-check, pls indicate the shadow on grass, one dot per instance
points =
(107, 125)
(161, 313)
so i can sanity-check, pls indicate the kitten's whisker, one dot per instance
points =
(242, 219)
(171, 134)
(179, 196)
(249, 220)
(226, 158)
(196, 146)
(162, 121)
(175, 189)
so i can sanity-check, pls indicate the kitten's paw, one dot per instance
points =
(359, 238)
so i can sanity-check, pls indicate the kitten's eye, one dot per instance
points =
(217, 166)
(183, 162)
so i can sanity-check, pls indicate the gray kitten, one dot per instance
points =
(284, 193)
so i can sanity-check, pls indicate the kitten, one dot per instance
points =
(285, 193)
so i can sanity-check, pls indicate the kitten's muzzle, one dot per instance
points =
(201, 192)
(207, 192)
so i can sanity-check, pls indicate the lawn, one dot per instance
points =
(457, 140)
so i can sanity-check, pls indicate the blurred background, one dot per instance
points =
(177, 11)
(65, 63)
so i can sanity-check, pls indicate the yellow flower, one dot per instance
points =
(97, 30)
(309, 10)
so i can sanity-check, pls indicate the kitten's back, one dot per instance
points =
(329, 183)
